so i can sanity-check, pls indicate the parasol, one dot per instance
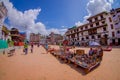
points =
(94, 44)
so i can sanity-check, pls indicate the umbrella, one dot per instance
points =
(94, 44)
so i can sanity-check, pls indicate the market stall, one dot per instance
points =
(79, 58)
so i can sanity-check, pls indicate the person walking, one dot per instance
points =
(100, 53)
(91, 52)
(46, 46)
(31, 47)
(26, 48)
(38, 44)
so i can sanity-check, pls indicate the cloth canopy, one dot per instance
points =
(94, 44)
(3, 44)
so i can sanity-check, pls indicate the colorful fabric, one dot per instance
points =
(25, 45)
(3, 44)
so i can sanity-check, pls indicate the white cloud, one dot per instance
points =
(111, 1)
(54, 30)
(62, 31)
(63, 26)
(78, 23)
(24, 20)
(57, 31)
(96, 6)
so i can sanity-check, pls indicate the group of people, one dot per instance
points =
(26, 47)
(97, 52)
(26, 44)
(87, 60)
(93, 57)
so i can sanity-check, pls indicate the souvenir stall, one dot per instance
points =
(79, 57)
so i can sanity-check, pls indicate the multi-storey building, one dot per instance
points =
(116, 19)
(99, 28)
(3, 14)
(22, 35)
(55, 38)
(16, 36)
(35, 38)
(5, 33)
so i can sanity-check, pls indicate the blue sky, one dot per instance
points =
(60, 14)
(55, 13)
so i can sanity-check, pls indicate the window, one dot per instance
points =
(77, 30)
(104, 29)
(113, 34)
(101, 16)
(86, 27)
(96, 19)
(93, 37)
(97, 23)
(99, 36)
(118, 32)
(87, 37)
(105, 36)
(110, 19)
(116, 23)
(103, 22)
(92, 31)
(113, 15)
(77, 34)
(111, 26)
(118, 11)
(90, 21)
(74, 30)
(82, 39)
(81, 28)
(81, 33)
(91, 25)
(75, 39)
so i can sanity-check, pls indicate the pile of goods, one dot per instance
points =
(79, 58)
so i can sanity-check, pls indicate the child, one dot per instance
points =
(26, 48)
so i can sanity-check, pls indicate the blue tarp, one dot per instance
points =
(94, 44)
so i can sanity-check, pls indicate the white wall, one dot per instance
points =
(109, 26)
